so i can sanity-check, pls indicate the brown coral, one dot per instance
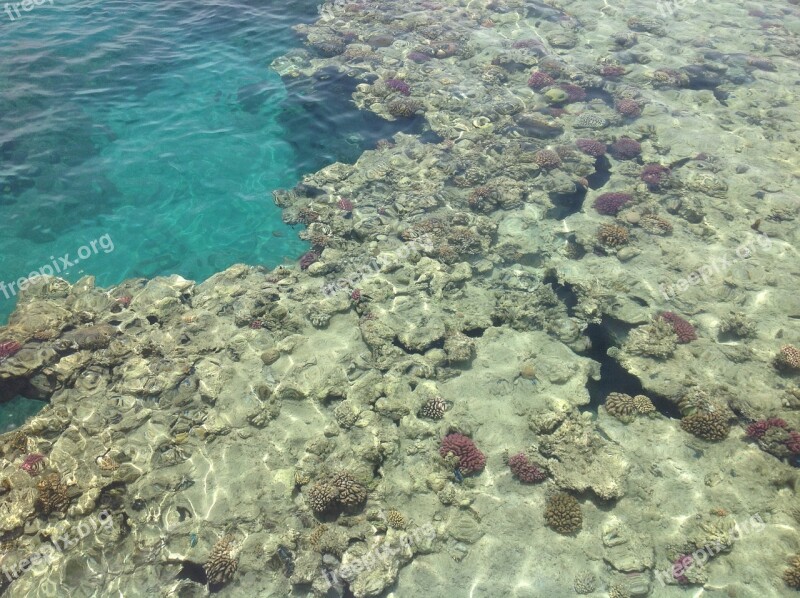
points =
(643, 405)
(711, 426)
(612, 235)
(434, 408)
(351, 494)
(221, 563)
(621, 405)
(563, 514)
(655, 225)
(395, 519)
(788, 358)
(547, 159)
(404, 107)
(791, 577)
(482, 199)
(322, 497)
(53, 495)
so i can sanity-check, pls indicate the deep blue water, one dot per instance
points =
(158, 130)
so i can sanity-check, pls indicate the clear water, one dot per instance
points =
(160, 130)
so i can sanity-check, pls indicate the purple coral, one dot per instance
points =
(525, 470)
(654, 175)
(685, 331)
(574, 93)
(625, 148)
(8, 348)
(418, 57)
(308, 259)
(682, 564)
(628, 107)
(470, 459)
(33, 463)
(539, 80)
(399, 86)
(757, 429)
(611, 203)
(591, 147)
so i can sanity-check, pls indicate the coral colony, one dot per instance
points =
(469, 458)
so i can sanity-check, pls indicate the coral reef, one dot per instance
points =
(434, 408)
(612, 235)
(221, 563)
(8, 349)
(683, 329)
(547, 159)
(584, 583)
(591, 147)
(621, 406)
(625, 148)
(654, 175)
(563, 514)
(788, 359)
(53, 497)
(470, 459)
(611, 203)
(526, 470)
(539, 80)
(791, 576)
(711, 426)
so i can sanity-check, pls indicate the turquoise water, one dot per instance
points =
(159, 132)
(146, 140)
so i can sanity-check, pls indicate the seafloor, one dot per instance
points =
(271, 433)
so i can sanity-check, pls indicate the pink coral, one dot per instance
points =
(628, 107)
(539, 80)
(758, 428)
(8, 348)
(683, 563)
(611, 203)
(470, 459)
(654, 175)
(591, 147)
(399, 86)
(793, 442)
(525, 470)
(33, 463)
(612, 71)
(308, 259)
(685, 331)
(625, 148)
(574, 92)
(345, 205)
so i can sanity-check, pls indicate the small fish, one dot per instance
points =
(458, 475)
(192, 539)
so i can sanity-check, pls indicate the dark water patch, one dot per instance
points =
(563, 291)
(316, 107)
(601, 174)
(599, 93)
(613, 377)
(566, 204)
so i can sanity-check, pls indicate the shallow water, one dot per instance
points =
(544, 346)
